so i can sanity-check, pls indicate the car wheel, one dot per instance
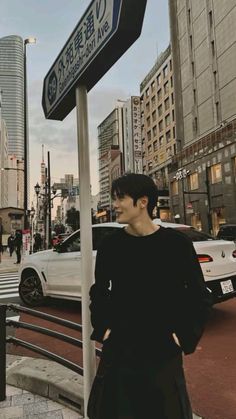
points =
(30, 290)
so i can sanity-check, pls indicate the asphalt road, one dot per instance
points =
(210, 371)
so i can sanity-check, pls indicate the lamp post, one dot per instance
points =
(27, 41)
(37, 190)
(32, 214)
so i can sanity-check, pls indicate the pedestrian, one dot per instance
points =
(37, 242)
(11, 243)
(149, 304)
(18, 245)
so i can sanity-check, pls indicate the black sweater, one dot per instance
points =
(140, 292)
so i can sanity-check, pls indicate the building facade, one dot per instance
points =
(110, 137)
(203, 40)
(158, 127)
(12, 86)
(3, 161)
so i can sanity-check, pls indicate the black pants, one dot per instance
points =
(150, 392)
(18, 254)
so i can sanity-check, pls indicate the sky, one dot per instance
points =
(51, 22)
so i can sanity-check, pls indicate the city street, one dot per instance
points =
(210, 372)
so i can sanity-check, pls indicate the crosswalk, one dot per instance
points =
(9, 285)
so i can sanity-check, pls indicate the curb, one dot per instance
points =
(46, 378)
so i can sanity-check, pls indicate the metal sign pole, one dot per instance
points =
(89, 359)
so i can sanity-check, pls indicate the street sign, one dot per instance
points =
(106, 30)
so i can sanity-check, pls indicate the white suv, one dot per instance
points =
(56, 272)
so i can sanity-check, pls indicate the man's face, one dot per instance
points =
(126, 211)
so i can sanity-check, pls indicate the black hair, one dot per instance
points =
(136, 186)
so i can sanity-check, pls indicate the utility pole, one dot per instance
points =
(49, 205)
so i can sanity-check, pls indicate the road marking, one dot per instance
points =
(9, 285)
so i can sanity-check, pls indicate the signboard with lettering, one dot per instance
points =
(106, 30)
(137, 141)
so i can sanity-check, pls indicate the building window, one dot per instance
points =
(172, 98)
(167, 120)
(167, 103)
(160, 125)
(174, 187)
(215, 79)
(154, 131)
(216, 173)
(154, 116)
(149, 149)
(153, 101)
(173, 132)
(153, 86)
(169, 152)
(148, 121)
(213, 48)
(147, 92)
(155, 146)
(160, 111)
(173, 115)
(168, 136)
(170, 65)
(148, 107)
(161, 141)
(171, 81)
(195, 125)
(149, 136)
(158, 79)
(217, 112)
(159, 95)
(166, 87)
(193, 69)
(150, 165)
(194, 96)
(191, 42)
(193, 181)
(210, 19)
(165, 71)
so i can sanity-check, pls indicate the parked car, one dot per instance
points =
(227, 232)
(56, 272)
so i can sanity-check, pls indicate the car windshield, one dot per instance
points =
(194, 235)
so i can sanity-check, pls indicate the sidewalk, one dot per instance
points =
(38, 388)
(7, 263)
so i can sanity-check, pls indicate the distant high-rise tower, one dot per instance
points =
(43, 171)
(12, 86)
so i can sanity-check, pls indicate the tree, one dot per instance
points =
(73, 218)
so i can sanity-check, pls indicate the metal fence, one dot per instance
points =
(4, 322)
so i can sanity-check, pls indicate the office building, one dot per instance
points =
(203, 40)
(12, 86)
(158, 126)
(110, 140)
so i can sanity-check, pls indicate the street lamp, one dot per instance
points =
(32, 214)
(37, 190)
(30, 40)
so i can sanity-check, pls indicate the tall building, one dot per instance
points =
(203, 40)
(12, 86)
(15, 182)
(158, 126)
(110, 137)
(3, 161)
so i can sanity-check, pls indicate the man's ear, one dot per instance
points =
(143, 202)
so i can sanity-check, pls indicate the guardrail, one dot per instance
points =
(15, 341)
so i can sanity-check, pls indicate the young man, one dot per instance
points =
(148, 304)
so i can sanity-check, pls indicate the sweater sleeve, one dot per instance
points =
(194, 301)
(100, 294)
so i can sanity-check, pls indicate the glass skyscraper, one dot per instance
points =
(12, 87)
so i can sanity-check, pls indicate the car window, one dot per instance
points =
(194, 235)
(99, 233)
(72, 244)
